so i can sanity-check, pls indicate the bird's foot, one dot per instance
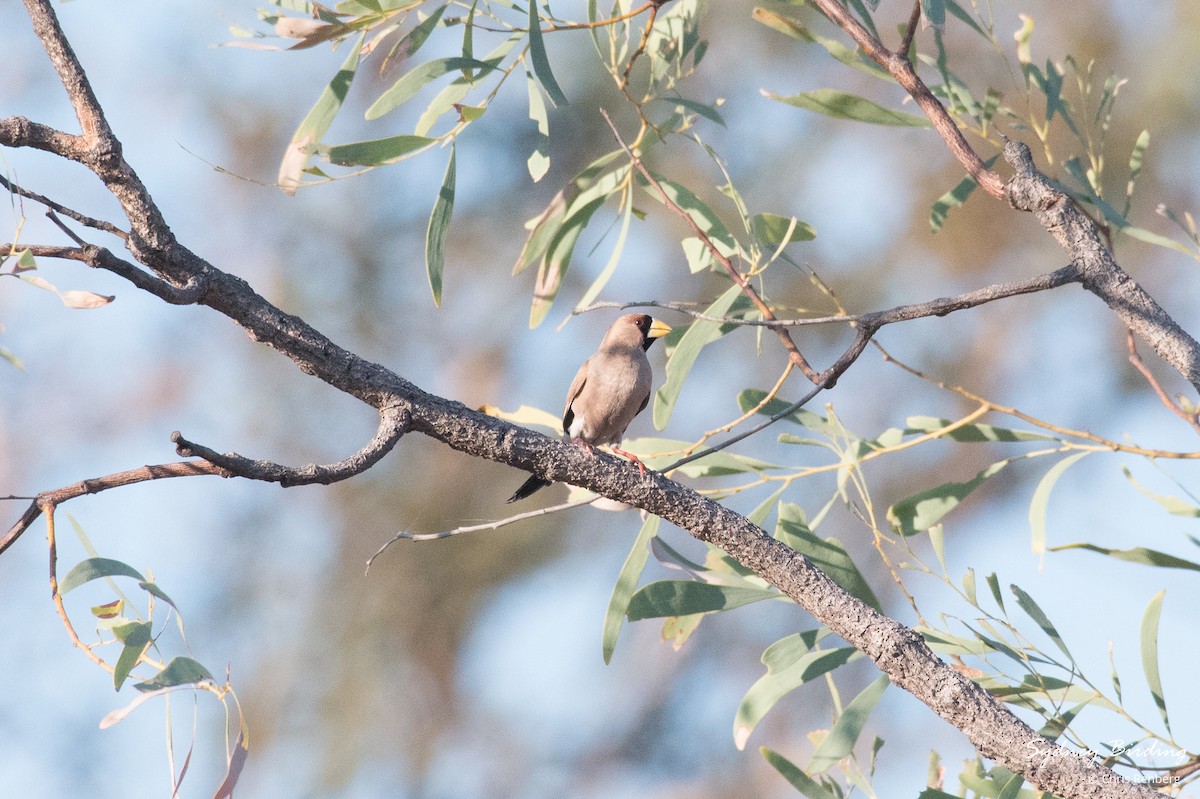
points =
(641, 466)
(579, 442)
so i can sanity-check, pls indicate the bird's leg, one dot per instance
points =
(579, 442)
(641, 466)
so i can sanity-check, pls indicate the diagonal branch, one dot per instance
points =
(1099, 273)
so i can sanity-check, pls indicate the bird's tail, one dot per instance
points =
(534, 483)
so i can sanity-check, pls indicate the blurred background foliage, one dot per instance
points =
(472, 666)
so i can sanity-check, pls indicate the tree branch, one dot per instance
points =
(899, 651)
(1029, 190)
(83, 219)
(55, 497)
(393, 424)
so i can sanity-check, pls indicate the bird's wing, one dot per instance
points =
(573, 392)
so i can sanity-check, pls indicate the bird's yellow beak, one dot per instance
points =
(658, 329)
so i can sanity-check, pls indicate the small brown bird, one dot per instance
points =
(611, 388)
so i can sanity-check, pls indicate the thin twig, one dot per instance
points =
(495, 525)
(1193, 418)
(83, 219)
(55, 497)
(900, 313)
(910, 30)
(48, 508)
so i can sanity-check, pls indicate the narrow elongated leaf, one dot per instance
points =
(753, 398)
(699, 335)
(136, 637)
(1172, 505)
(439, 226)
(411, 82)
(851, 57)
(922, 511)
(772, 229)
(614, 257)
(1041, 499)
(933, 13)
(705, 110)
(700, 212)
(312, 128)
(841, 105)
(627, 580)
(790, 662)
(828, 554)
(180, 671)
(951, 199)
(94, 568)
(685, 597)
(970, 433)
(1150, 655)
(841, 739)
(1150, 557)
(539, 161)
(1041, 619)
(541, 64)
(796, 777)
(376, 151)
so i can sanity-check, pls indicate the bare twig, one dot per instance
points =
(785, 338)
(393, 424)
(103, 258)
(1192, 418)
(51, 205)
(55, 497)
(474, 528)
(941, 306)
(910, 30)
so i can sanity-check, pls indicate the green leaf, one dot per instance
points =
(698, 210)
(136, 637)
(539, 162)
(541, 64)
(841, 105)
(753, 398)
(790, 662)
(994, 585)
(934, 13)
(180, 671)
(154, 590)
(715, 464)
(970, 433)
(614, 257)
(1149, 557)
(1041, 499)
(94, 568)
(698, 335)
(851, 57)
(375, 151)
(439, 226)
(828, 554)
(627, 580)
(685, 597)
(1172, 505)
(797, 778)
(968, 582)
(312, 128)
(1031, 608)
(922, 511)
(1150, 654)
(951, 199)
(958, 11)
(705, 110)
(411, 82)
(841, 739)
(772, 230)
